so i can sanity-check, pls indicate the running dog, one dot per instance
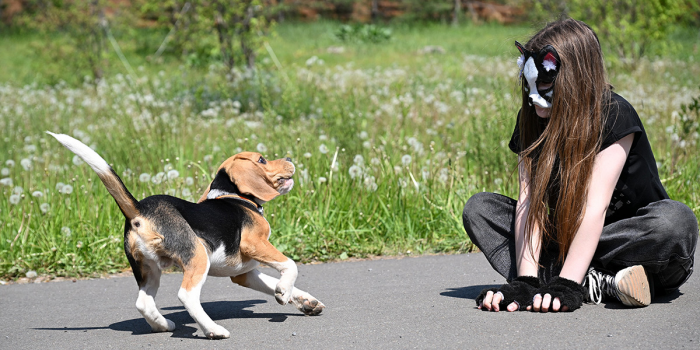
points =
(225, 234)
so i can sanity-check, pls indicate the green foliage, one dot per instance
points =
(203, 31)
(627, 27)
(363, 33)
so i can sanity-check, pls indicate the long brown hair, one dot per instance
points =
(559, 156)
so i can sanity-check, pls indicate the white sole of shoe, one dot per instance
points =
(633, 286)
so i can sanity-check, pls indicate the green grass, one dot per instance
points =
(451, 114)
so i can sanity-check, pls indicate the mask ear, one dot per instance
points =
(250, 181)
(550, 58)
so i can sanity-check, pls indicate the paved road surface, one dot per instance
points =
(424, 302)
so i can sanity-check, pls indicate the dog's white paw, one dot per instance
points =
(283, 295)
(216, 332)
(169, 326)
(308, 305)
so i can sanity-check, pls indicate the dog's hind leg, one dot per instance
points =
(261, 282)
(146, 304)
(195, 274)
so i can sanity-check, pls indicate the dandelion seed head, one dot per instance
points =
(5, 172)
(31, 274)
(406, 160)
(77, 161)
(10, 163)
(323, 149)
(6, 181)
(322, 179)
(355, 172)
(208, 158)
(45, 207)
(158, 178)
(498, 181)
(79, 244)
(261, 147)
(26, 163)
(145, 177)
(307, 155)
(59, 186)
(173, 174)
(363, 135)
(186, 192)
(367, 144)
(18, 190)
(67, 189)
(359, 160)
(189, 181)
(168, 167)
(37, 194)
(65, 230)
(14, 199)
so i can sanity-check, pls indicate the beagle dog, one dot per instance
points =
(225, 234)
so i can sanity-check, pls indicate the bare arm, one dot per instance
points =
(607, 167)
(526, 262)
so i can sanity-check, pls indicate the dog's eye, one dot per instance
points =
(262, 160)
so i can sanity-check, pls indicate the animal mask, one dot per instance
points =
(539, 67)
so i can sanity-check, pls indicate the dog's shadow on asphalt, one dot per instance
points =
(217, 310)
(468, 292)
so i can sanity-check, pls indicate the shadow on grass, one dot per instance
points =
(217, 310)
(469, 292)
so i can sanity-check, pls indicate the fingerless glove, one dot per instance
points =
(520, 290)
(570, 293)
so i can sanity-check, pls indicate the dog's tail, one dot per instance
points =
(126, 202)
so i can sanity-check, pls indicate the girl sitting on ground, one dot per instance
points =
(592, 219)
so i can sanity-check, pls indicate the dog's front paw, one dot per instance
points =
(283, 295)
(309, 305)
(169, 326)
(216, 332)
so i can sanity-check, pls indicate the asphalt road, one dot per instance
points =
(424, 302)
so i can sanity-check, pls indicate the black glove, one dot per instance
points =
(520, 290)
(570, 293)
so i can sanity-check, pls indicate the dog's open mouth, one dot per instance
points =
(286, 185)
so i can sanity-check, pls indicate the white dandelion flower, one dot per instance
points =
(14, 199)
(367, 144)
(77, 161)
(323, 137)
(363, 135)
(189, 181)
(45, 207)
(5, 172)
(444, 175)
(65, 231)
(355, 171)
(261, 148)
(37, 194)
(322, 179)
(173, 174)
(359, 160)
(10, 163)
(67, 189)
(18, 190)
(208, 158)
(425, 173)
(168, 167)
(158, 178)
(6, 181)
(307, 155)
(323, 149)
(145, 177)
(397, 169)
(30, 148)
(186, 192)
(498, 181)
(370, 183)
(403, 183)
(31, 274)
(406, 160)
(127, 172)
(26, 163)
(59, 186)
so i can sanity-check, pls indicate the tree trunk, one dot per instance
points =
(224, 38)
(457, 12)
(375, 10)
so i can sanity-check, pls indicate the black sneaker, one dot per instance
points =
(630, 286)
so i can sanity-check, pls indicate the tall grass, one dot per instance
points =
(388, 143)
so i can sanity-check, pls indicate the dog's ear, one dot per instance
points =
(251, 179)
(205, 194)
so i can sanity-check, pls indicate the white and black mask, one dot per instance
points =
(539, 67)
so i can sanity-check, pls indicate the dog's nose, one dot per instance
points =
(288, 159)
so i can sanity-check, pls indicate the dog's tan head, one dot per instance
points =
(255, 176)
